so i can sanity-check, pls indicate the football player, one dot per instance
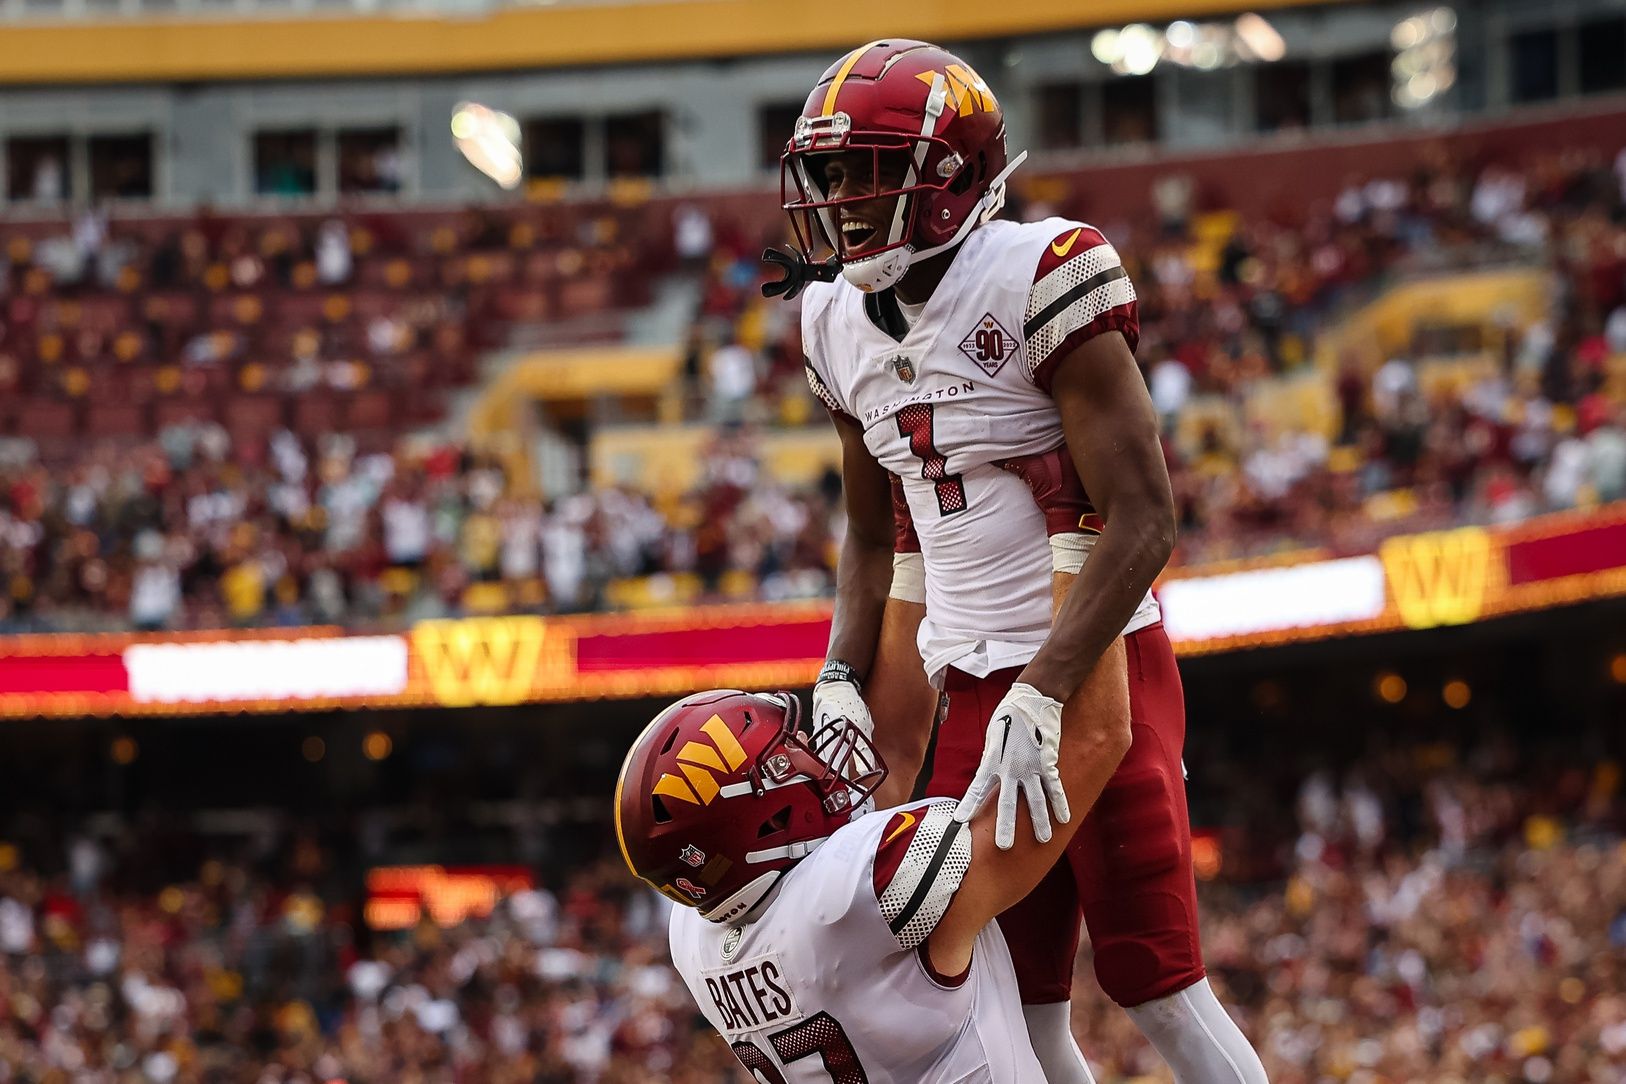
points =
(831, 949)
(988, 367)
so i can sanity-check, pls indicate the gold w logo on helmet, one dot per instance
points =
(698, 761)
(965, 89)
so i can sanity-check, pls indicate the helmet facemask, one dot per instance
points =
(885, 181)
(842, 767)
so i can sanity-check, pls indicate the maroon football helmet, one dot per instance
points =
(722, 793)
(934, 137)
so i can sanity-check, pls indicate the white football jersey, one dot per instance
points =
(966, 388)
(830, 981)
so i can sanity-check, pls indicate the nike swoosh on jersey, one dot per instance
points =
(1062, 250)
(908, 823)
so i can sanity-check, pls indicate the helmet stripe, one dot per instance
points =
(841, 77)
(620, 787)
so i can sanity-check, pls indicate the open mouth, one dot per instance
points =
(856, 235)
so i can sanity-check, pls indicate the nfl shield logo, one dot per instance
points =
(693, 855)
(903, 367)
(731, 943)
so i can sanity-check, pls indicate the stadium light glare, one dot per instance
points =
(1104, 46)
(1260, 38)
(1390, 687)
(1456, 694)
(489, 139)
(1424, 65)
(1140, 48)
(377, 745)
(1181, 34)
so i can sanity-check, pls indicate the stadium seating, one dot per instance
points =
(1443, 914)
(1394, 359)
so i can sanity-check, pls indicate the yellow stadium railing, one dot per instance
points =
(510, 38)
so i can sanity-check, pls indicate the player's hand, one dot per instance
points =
(1020, 753)
(836, 702)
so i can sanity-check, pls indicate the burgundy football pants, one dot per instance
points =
(1128, 871)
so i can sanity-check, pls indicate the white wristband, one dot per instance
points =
(1067, 551)
(909, 577)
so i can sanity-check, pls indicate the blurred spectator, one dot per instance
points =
(1439, 914)
(733, 370)
(333, 253)
(1266, 450)
(155, 590)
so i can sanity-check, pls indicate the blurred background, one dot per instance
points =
(390, 424)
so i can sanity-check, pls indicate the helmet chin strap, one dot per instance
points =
(737, 908)
(884, 269)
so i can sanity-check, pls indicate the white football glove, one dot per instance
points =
(1020, 753)
(835, 701)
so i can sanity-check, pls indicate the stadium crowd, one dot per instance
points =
(1447, 916)
(212, 526)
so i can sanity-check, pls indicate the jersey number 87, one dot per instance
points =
(819, 1034)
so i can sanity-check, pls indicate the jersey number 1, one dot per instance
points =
(915, 426)
(819, 1034)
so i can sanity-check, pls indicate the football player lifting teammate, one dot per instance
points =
(982, 372)
(826, 948)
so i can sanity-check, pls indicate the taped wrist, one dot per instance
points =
(1067, 551)
(908, 577)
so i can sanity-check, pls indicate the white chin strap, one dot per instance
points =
(735, 907)
(873, 273)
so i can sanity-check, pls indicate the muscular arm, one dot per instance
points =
(901, 701)
(1111, 430)
(864, 568)
(996, 878)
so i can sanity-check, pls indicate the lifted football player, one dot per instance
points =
(828, 949)
(989, 367)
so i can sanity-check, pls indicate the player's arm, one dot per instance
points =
(902, 701)
(864, 566)
(1081, 324)
(1111, 429)
(953, 881)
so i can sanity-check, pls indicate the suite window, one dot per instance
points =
(37, 168)
(285, 163)
(635, 144)
(555, 148)
(121, 166)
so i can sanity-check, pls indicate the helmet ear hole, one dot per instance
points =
(774, 824)
(662, 814)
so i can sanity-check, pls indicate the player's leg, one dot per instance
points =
(1198, 1038)
(1132, 859)
(1042, 931)
(901, 701)
(1050, 1030)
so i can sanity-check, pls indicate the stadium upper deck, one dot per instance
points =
(194, 108)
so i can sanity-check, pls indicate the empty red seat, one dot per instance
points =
(116, 419)
(44, 418)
